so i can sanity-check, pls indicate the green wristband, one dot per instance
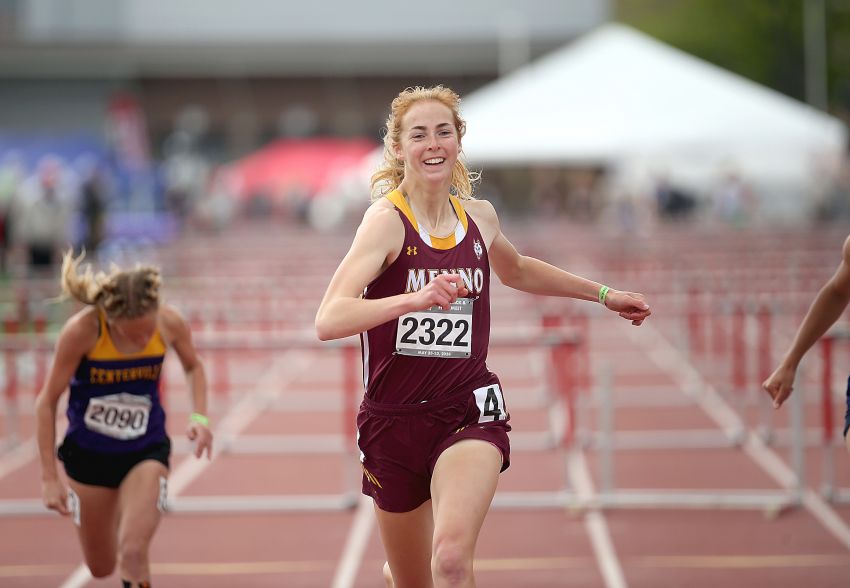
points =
(197, 417)
(603, 294)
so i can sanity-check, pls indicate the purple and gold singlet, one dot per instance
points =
(114, 405)
(429, 354)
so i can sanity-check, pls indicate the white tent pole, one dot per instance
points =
(814, 41)
(514, 41)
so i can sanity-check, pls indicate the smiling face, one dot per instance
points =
(428, 142)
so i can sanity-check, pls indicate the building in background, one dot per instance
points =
(193, 85)
(238, 74)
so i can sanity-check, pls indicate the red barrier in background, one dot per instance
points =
(581, 358)
(23, 307)
(11, 326)
(696, 323)
(563, 359)
(564, 371)
(718, 327)
(39, 326)
(220, 358)
(739, 349)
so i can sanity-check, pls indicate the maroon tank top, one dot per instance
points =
(425, 355)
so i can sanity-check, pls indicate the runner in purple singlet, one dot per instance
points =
(115, 451)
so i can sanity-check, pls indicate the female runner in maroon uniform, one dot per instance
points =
(432, 429)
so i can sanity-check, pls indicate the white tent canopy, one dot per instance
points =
(620, 98)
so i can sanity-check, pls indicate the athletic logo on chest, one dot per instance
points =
(418, 278)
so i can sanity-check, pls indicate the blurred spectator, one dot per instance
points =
(628, 211)
(832, 194)
(216, 208)
(734, 201)
(547, 190)
(93, 200)
(42, 217)
(672, 202)
(11, 176)
(586, 195)
(186, 174)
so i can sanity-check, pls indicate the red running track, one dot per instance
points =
(298, 393)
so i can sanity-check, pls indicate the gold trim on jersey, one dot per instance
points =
(400, 202)
(105, 348)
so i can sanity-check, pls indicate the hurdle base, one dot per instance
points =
(771, 503)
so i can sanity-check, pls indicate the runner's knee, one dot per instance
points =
(101, 568)
(451, 562)
(133, 554)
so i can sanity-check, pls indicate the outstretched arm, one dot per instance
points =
(822, 314)
(532, 275)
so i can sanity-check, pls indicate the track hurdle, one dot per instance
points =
(560, 343)
(741, 359)
(610, 496)
(828, 418)
(11, 327)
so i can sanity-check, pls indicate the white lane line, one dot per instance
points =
(666, 356)
(827, 516)
(594, 521)
(355, 544)
(283, 370)
(79, 577)
(18, 457)
(23, 452)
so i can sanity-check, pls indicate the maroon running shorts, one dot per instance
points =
(400, 443)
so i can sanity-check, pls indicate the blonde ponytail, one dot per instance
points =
(121, 293)
(86, 288)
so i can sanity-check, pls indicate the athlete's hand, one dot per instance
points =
(780, 384)
(441, 291)
(629, 305)
(202, 436)
(55, 496)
